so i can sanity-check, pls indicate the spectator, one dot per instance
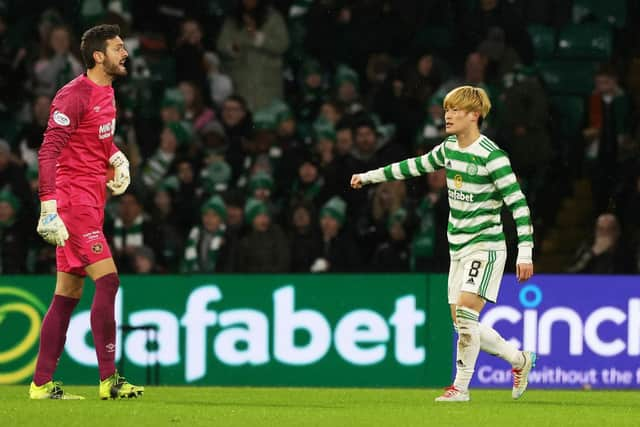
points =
(31, 138)
(304, 237)
(606, 253)
(252, 43)
(131, 229)
(12, 178)
(220, 85)
(189, 55)
(347, 88)
(173, 136)
(56, 65)
(393, 254)
(339, 252)
(144, 261)
(166, 225)
(12, 67)
(430, 249)
(208, 249)
(13, 235)
(607, 129)
(264, 249)
(196, 112)
(238, 126)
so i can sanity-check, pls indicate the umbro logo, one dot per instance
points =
(96, 108)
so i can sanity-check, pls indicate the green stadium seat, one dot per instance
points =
(585, 41)
(613, 12)
(544, 40)
(567, 77)
(571, 112)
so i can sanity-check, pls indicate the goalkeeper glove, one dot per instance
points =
(121, 178)
(50, 225)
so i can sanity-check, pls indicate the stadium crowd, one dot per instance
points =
(244, 120)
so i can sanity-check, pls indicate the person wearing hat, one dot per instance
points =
(347, 85)
(174, 136)
(393, 254)
(13, 235)
(339, 250)
(265, 248)
(207, 249)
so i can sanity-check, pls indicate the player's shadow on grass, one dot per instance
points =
(255, 405)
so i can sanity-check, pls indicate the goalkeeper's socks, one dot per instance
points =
(52, 337)
(468, 346)
(103, 323)
(493, 343)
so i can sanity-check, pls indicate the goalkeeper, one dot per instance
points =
(75, 154)
(479, 181)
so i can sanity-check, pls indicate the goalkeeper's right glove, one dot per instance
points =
(50, 225)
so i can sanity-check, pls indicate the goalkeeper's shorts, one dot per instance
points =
(86, 244)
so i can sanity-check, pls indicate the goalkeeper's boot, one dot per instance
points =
(51, 390)
(116, 387)
(452, 394)
(521, 375)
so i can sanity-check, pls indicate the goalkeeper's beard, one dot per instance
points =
(114, 69)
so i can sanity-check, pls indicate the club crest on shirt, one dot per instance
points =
(96, 248)
(472, 169)
(61, 118)
(457, 181)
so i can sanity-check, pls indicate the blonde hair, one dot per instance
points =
(468, 98)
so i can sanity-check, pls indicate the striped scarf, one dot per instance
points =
(309, 192)
(156, 168)
(202, 249)
(132, 236)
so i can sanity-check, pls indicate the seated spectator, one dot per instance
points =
(131, 229)
(13, 179)
(166, 225)
(264, 249)
(339, 252)
(220, 85)
(144, 261)
(13, 235)
(156, 167)
(393, 254)
(196, 112)
(304, 237)
(208, 250)
(606, 253)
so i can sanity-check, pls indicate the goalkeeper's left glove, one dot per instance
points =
(121, 177)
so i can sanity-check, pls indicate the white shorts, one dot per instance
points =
(478, 273)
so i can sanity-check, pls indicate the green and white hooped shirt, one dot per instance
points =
(479, 181)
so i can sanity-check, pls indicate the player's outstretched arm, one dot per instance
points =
(121, 176)
(50, 226)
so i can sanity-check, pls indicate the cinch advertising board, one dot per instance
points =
(585, 330)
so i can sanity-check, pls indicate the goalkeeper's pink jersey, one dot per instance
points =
(77, 144)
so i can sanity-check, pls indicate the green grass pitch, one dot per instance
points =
(282, 407)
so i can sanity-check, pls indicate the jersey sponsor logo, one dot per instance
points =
(472, 169)
(457, 181)
(61, 118)
(459, 195)
(107, 130)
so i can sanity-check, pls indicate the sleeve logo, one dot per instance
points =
(61, 118)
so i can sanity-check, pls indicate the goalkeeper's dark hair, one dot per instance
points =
(95, 39)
